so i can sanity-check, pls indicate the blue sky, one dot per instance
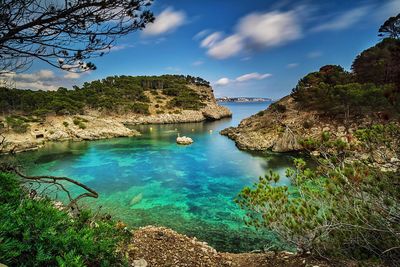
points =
(244, 48)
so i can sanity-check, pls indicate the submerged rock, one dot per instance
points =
(136, 199)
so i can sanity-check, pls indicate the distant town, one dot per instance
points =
(243, 99)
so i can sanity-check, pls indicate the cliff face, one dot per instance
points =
(281, 127)
(95, 125)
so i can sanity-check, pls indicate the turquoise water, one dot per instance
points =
(152, 180)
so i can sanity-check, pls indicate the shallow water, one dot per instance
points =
(152, 180)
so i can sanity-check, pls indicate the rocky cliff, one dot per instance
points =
(281, 127)
(93, 125)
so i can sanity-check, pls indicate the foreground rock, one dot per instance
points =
(184, 140)
(159, 246)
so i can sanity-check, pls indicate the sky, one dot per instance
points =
(257, 48)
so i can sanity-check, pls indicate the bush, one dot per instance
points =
(278, 107)
(82, 125)
(307, 124)
(140, 108)
(65, 123)
(34, 233)
(341, 208)
(260, 113)
(17, 124)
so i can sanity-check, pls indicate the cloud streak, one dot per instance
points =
(167, 21)
(243, 78)
(45, 80)
(344, 20)
(256, 30)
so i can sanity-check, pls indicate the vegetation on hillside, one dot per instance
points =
(372, 86)
(342, 208)
(349, 205)
(113, 94)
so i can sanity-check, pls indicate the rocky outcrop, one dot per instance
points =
(159, 246)
(62, 128)
(96, 125)
(184, 140)
(281, 127)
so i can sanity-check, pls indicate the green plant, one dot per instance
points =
(342, 207)
(82, 125)
(34, 233)
(65, 123)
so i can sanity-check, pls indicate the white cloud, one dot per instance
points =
(198, 63)
(227, 47)
(389, 9)
(200, 34)
(41, 80)
(72, 75)
(222, 82)
(253, 76)
(271, 28)
(243, 78)
(165, 22)
(210, 40)
(260, 30)
(344, 20)
(292, 65)
(314, 54)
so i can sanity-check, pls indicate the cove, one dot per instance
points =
(150, 180)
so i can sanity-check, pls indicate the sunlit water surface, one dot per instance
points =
(150, 180)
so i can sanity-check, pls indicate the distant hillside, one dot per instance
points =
(102, 109)
(117, 94)
(243, 99)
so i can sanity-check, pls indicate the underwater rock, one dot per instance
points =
(136, 199)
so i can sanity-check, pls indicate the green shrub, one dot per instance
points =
(307, 124)
(65, 123)
(82, 125)
(140, 108)
(34, 233)
(76, 121)
(278, 107)
(341, 208)
(260, 113)
(17, 124)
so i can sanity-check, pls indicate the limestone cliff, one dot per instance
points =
(281, 127)
(94, 124)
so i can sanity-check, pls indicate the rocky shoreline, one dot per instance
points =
(94, 126)
(160, 246)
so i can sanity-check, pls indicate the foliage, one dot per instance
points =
(278, 107)
(34, 233)
(344, 207)
(116, 93)
(17, 124)
(391, 27)
(65, 34)
(379, 64)
(333, 91)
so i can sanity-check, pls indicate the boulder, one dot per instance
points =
(184, 140)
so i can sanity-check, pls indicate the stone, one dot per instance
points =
(184, 140)
(140, 263)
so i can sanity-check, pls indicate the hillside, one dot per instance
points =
(103, 108)
(329, 100)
